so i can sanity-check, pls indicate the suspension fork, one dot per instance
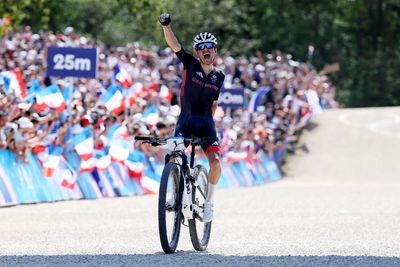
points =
(182, 164)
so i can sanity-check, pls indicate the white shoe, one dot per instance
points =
(208, 213)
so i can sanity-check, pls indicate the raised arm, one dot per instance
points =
(169, 35)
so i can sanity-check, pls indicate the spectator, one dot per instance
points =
(295, 92)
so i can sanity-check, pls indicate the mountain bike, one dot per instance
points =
(183, 191)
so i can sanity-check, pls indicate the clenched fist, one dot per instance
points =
(165, 19)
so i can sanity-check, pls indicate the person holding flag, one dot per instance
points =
(201, 84)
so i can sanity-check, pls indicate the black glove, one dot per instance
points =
(164, 19)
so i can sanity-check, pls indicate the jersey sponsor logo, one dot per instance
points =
(212, 86)
(200, 74)
(195, 80)
(216, 143)
(214, 78)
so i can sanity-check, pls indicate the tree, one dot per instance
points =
(362, 35)
(18, 11)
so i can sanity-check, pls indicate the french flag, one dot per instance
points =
(51, 160)
(88, 165)
(14, 82)
(33, 89)
(151, 115)
(69, 177)
(135, 165)
(122, 76)
(103, 160)
(117, 131)
(83, 143)
(119, 150)
(150, 182)
(51, 97)
(113, 100)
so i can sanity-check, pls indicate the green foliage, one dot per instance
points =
(362, 35)
(19, 10)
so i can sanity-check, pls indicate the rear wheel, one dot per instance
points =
(200, 231)
(169, 215)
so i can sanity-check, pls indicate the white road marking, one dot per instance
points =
(388, 120)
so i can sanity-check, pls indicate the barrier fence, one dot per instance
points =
(23, 183)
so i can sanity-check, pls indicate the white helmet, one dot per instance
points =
(204, 37)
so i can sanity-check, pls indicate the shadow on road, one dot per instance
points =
(181, 258)
(311, 126)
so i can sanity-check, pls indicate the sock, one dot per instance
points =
(211, 190)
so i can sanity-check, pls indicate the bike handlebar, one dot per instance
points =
(156, 141)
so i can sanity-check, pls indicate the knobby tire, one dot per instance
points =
(169, 246)
(200, 237)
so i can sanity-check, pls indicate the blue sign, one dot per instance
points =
(231, 98)
(72, 62)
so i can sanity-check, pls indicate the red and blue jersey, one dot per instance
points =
(198, 90)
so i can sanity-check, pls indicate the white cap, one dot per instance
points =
(25, 123)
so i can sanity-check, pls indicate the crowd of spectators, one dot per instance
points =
(296, 92)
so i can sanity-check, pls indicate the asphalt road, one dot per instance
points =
(338, 205)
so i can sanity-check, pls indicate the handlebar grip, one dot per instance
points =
(142, 138)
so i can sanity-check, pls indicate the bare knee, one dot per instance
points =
(214, 161)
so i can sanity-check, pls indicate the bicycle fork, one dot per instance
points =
(190, 209)
(187, 204)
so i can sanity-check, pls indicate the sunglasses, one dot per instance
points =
(204, 46)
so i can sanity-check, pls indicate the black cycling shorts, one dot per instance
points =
(199, 126)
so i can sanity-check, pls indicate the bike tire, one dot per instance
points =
(169, 237)
(199, 231)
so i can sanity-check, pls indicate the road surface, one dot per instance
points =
(338, 205)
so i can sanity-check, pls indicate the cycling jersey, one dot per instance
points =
(198, 92)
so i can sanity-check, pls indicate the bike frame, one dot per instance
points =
(184, 201)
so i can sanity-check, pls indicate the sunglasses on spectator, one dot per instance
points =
(204, 46)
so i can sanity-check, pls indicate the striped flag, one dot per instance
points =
(88, 165)
(122, 76)
(83, 143)
(51, 160)
(119, 150)
(113, 100)
(135, 165)
(151, 115)
(103, 160)
(51, 97)
(150, 182)
(33, 89)
(14, 83)
(117, 131)
(69, 176)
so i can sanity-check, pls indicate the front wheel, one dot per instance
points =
(169, 214)
(200, 231)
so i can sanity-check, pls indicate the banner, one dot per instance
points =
(231, 98)
(72, 62)
(26, 183)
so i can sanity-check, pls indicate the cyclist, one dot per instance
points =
(201, 83)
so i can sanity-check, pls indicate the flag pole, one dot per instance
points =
(70, 92)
